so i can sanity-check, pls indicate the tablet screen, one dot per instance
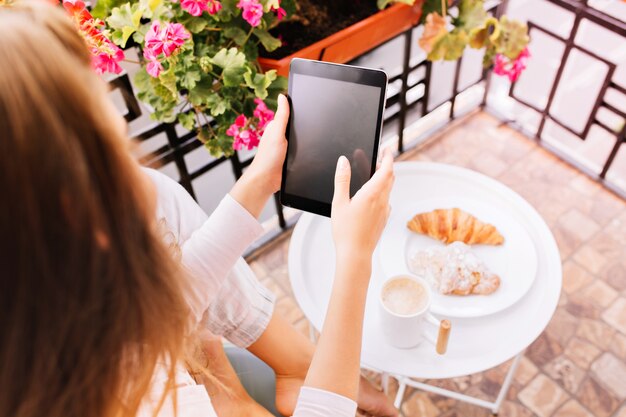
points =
(330, 117)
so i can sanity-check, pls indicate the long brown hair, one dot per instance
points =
(90, 300)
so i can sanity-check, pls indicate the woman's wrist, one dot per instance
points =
(251, 192)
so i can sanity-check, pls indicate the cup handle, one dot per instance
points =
(443, 335)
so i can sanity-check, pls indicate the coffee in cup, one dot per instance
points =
(405, 296)
(404, 312)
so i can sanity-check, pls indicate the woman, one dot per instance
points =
(96, 315)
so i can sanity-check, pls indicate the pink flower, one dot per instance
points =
(252, 11)
(262, 113)
(153, 45)
(214, 6)
(105, 55)
(247, 138)
(106, 62)
(240, 122)
(154, 68)
(512, 69)
(243, 135)
(280, 12)
(164, 40)
(194, 7)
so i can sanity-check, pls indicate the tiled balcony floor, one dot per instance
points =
(577, 367)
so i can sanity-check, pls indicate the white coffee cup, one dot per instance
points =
(404, 313)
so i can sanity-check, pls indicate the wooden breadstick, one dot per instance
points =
(444, 335)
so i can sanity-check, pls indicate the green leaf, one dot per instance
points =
(485, 34)
(232, 77)
(103, 7)
(220, 145)
(236, 34)
(229, 58)
(196, 24)
(260, 82)
(205, 64)
(428, 7)
(450, 47)
(187, 120)
(513, 37)
(125, 21)
(269, 4)
(201, 93)
(189, 79)
(471, 14)
(384, 3)
(217, 104)
(269, 42)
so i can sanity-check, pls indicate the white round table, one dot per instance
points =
(476, 344)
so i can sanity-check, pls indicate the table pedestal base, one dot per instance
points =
(404, 381)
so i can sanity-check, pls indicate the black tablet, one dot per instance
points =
(335, 110)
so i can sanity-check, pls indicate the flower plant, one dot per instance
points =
(446, 36)
(198, 61)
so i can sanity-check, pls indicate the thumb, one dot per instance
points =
(281, 118)
(342, 181)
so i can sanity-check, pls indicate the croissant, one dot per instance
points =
(451, 225)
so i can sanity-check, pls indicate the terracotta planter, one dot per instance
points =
(354, 40)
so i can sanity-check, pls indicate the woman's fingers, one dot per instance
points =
(342, 181)
(277, 127)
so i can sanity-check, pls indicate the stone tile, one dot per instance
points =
(618, 346)
(611, 373)
(615, 315)
(605, 207)
(581, 352)
(592, 260)
(567, 240)
(575, 277)
(488, 164)
(562, 326)
(596, 399)
(543, 396)
(607, 245)
(586, 186)
(595, 331)
(573, 408)
(599, 293)
(419, 405)
(565, 373)
(543, 350)
(578, 224)
(514, 409)
(614, 274)
(464, 382)
(582, 307)
(525, 371)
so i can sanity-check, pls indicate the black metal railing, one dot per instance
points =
(582, 11)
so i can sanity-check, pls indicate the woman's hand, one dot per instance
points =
(263, 176)
(358, 222)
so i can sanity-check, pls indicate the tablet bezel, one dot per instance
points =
(348, 73)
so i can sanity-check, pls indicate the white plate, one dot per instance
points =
(515, 261)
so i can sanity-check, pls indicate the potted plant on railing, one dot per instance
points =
(338, 30)
(445, 36)
(198, 61)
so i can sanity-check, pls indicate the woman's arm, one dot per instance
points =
(214, 248)
(357, 226)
